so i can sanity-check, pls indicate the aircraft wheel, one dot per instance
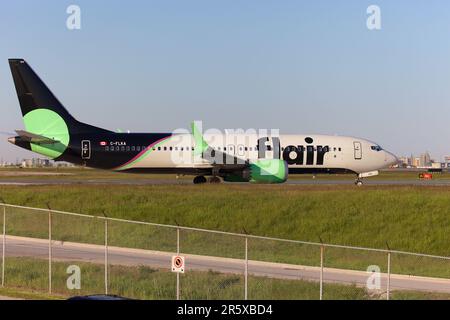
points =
(200, 180)
(359, 183)
(215, 180)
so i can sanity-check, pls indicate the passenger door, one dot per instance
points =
(358, 150)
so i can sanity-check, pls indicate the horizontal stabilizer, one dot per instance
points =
(35, 138)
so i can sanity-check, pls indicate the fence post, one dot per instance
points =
(106, 253)
(246, 269)
(178, 274)
(49, 249)
(388, 291)
(321, 271)
(3, 245)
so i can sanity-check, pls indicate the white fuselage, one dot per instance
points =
(304, 153)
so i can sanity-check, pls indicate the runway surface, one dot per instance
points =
(69, 181)
(38, 248)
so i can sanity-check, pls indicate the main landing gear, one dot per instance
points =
(215, 180)
(358, 182)
(202, 180)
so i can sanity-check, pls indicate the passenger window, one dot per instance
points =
(106, 148)
(133, 148)
(340, 149)
(128, 148)
(122, 148)
(117, 148)
(159, 148)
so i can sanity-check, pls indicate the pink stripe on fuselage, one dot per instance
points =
(141, 153)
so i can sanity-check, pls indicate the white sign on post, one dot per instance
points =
(178, 264)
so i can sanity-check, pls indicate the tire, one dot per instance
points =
(199, 180)
(215, 180)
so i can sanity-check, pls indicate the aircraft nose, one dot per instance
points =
(12, 140)
(390, 159)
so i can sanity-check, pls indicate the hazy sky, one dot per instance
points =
(298, 66)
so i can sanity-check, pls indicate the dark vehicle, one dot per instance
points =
(98, 297)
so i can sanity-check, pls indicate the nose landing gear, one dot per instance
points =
(360, 176)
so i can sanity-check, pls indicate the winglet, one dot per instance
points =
(200, 144)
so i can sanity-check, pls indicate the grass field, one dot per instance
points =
(27, 278)
(409, 218)
(412, 219)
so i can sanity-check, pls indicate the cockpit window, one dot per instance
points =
(376, 148)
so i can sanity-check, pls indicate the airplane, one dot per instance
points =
(50, 130)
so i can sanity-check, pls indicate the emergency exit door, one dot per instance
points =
(85, 149)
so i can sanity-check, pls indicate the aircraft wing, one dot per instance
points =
(34, 138)
(216, 158)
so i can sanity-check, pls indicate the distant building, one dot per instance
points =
(64, 164)
(425, 160)
(436, 165)
(36, 163)
(447, 161)
(404, 162)
(27, 163)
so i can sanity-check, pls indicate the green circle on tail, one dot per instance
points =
(51, 125)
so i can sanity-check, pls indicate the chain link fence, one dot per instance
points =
(68, 254)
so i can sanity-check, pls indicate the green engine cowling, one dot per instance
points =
(262, 171)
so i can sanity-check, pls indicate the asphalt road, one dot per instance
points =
(69, 181)
(8, 298)
(38, 248)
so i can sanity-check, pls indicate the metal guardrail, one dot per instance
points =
(244, 236)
